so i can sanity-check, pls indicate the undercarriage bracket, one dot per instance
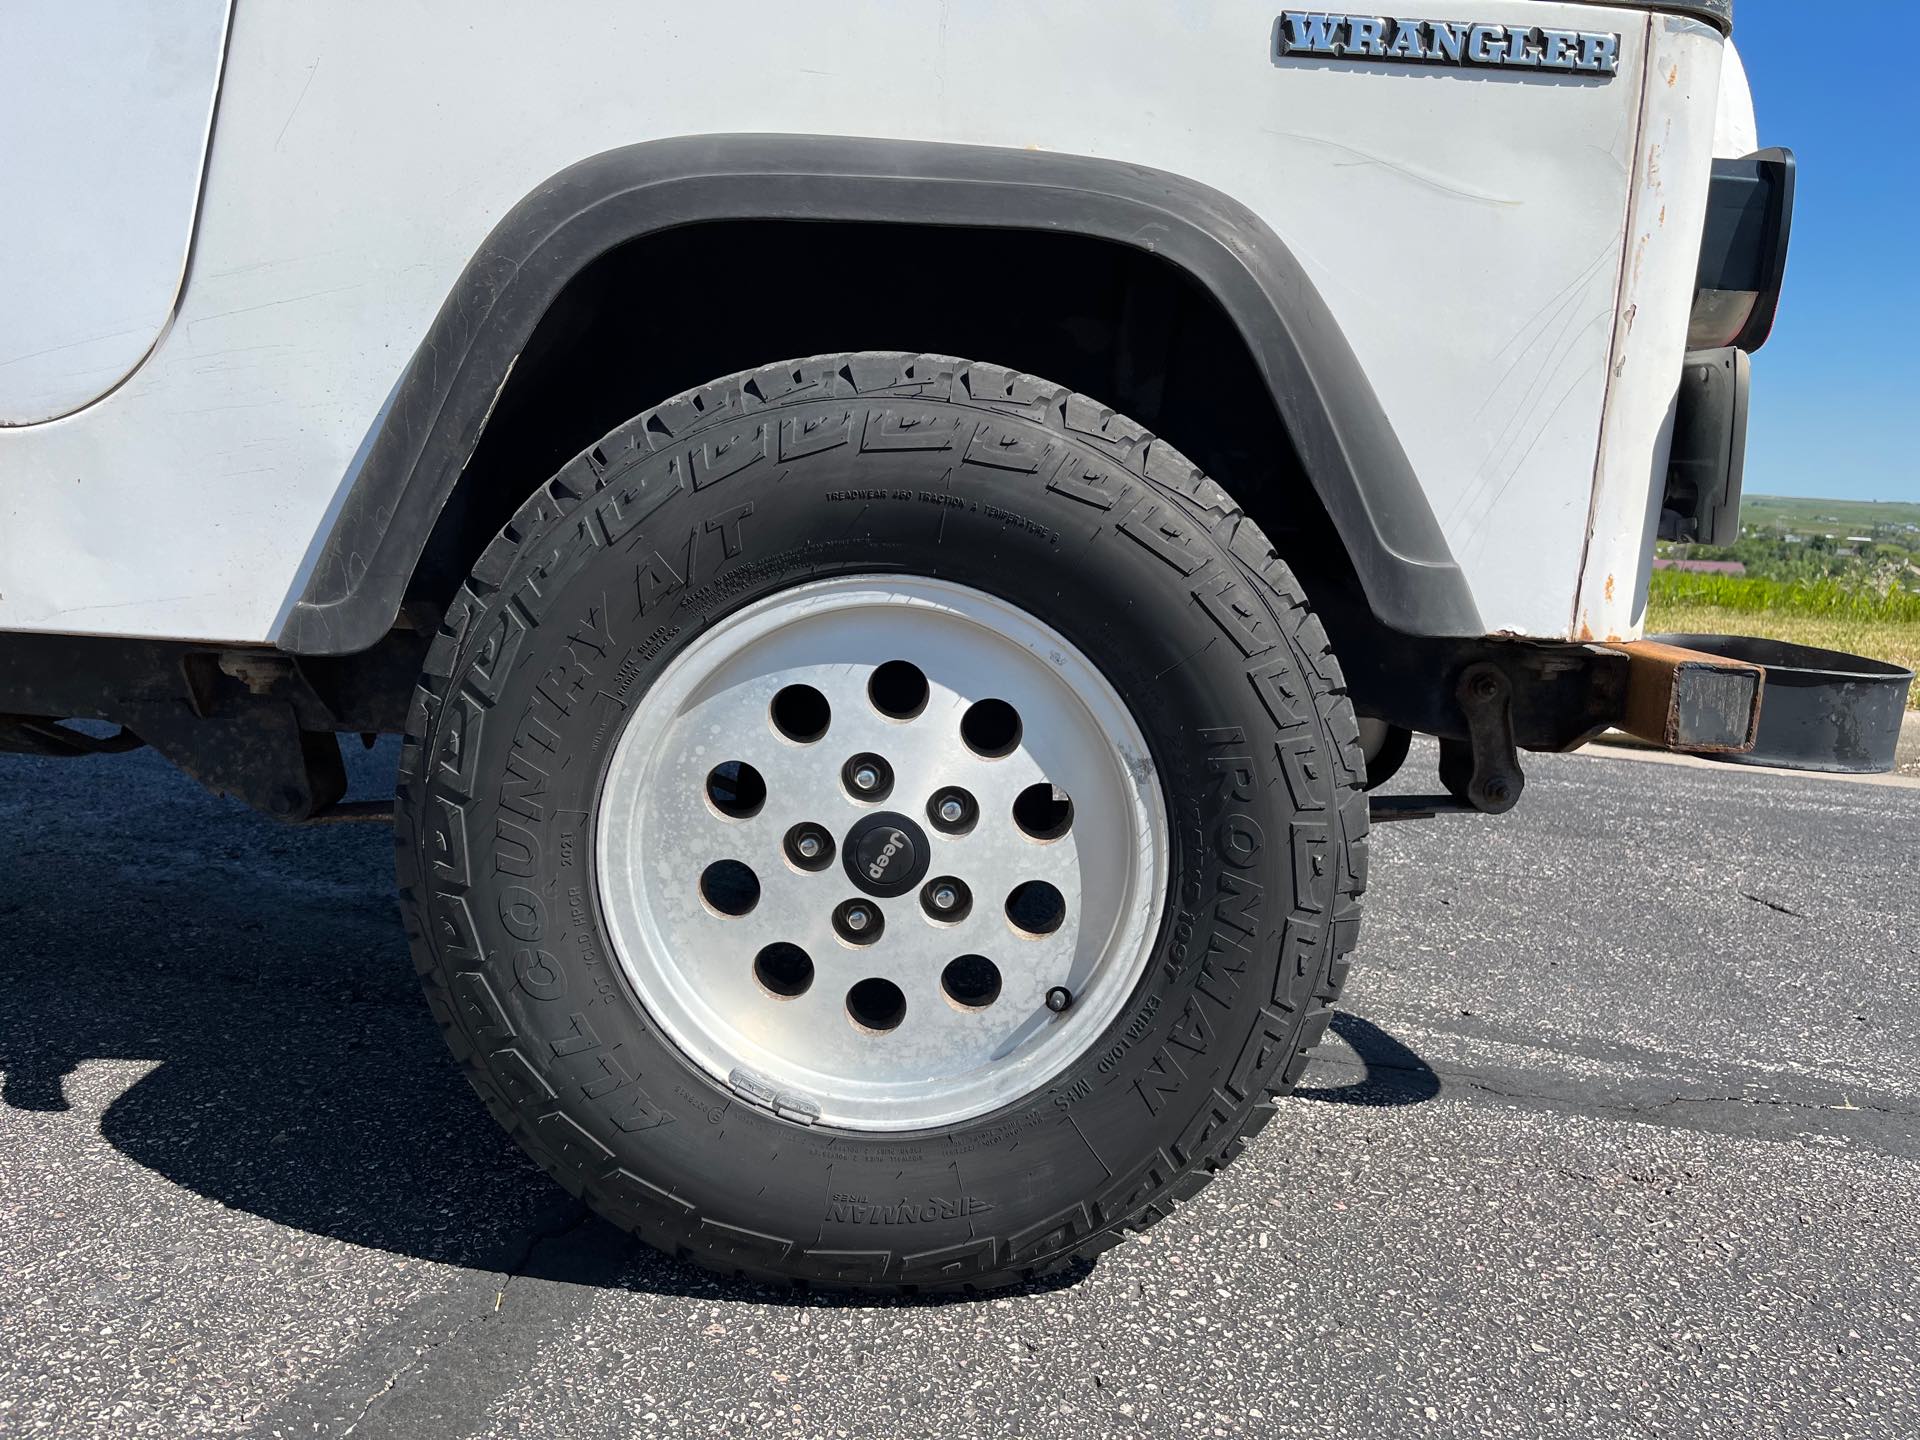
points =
(1482, 773)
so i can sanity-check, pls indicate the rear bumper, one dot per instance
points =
(1756, 702)
(1811, 709)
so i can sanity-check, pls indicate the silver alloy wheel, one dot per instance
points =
(962, 739)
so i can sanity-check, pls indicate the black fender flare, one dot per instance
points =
(363, 563)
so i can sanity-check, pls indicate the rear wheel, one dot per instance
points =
(881, 821)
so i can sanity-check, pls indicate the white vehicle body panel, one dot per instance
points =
(1471, 232)
(105, 107)
(1736, 129)
(1650, 333)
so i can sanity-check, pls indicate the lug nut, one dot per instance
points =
(858, 923)
(946, 899)
(952, 810)
(809, 847)
(868, 777)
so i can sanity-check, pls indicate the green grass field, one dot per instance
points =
(1811, 599)
(1867, 606)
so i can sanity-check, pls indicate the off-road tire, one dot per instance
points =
(888, 463)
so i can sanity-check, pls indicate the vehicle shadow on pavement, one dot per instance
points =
(296, 1073)
(352, 1125)
(1392, 1074)
(343, 1120)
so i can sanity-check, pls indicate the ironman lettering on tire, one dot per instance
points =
(881, 821)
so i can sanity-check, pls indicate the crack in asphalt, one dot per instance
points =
(1772, 905)
(575, 1215)
(1624, 1107)
(1457, 1079)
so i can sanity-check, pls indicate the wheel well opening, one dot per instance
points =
(671, 311)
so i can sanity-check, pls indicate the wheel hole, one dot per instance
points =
(991, 728)
(736, 789)
(801, 713)
(1036, 907)
(898, 690)
(876, 1005)
(972, 981)
(730, 887)
(783, 970)
(1043, 812)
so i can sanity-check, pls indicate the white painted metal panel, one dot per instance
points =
(1736, 129)
(1465, 227)
(104, 109)
(1649, 349)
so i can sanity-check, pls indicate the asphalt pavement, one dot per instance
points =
(1620, 1136)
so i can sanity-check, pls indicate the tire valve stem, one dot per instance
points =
(1059, 998)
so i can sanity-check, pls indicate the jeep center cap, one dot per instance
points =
(886, 855)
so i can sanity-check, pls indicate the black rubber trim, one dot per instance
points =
(1748, 234)
(1344, 440)
(1707, 463)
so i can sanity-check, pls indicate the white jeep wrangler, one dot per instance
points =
(876, 818)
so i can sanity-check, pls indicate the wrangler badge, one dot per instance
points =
(1302, 33)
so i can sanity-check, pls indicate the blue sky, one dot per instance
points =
(1836, 392)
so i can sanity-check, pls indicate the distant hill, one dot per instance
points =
(1801, 515)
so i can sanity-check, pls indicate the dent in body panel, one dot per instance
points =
(1553, 355)
(1417, 173)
